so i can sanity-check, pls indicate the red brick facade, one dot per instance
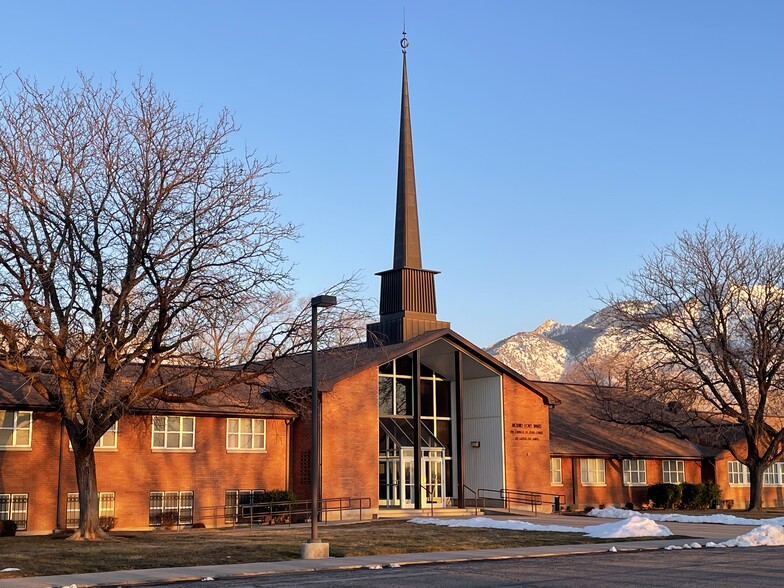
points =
(134, 469)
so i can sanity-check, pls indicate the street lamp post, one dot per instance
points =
(315, 548)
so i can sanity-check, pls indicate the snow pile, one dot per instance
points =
(632, 527)
(486, 523)
(761, 536)
(611, 512)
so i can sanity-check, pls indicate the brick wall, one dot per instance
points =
(614, 492)
(526, 438)
(133, 470)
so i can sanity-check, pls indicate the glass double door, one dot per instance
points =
(398, 485)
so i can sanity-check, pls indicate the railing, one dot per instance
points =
(476, 498)
(285, 512)
(430, 500)
(509, 497)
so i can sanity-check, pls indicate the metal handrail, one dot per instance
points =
(511, 496)
(260, 512)
(476, 499)
(429, 497)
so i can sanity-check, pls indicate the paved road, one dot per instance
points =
(759, 566)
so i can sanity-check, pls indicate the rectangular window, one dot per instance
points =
(239, 505)
(673, 471)
(774, 475)
(556, 477)
(16, 428)
(13, 507)
(592, 472)
(72, 509)
(108, 440)
(738, 474)
(246, 434)
(634, 473)
(171, 508)
(173, 432)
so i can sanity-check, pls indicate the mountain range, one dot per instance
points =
(553, 351)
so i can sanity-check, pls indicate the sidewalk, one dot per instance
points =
(700, 532)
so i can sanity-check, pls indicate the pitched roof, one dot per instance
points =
(575, 431)
(243, 398)
(337, 364)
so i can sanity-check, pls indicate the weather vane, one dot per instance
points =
(404, 41)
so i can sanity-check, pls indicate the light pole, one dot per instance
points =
(315, 548)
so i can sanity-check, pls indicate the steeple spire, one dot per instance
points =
(407, 248)
(408, 292)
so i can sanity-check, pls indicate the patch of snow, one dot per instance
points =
(762, 535)
(611, 512)
(612, 549)
(374, 567)
(10, 570)
(632, 527)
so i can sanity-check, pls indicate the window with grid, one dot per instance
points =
(108, 440)
(592, 472)
(175, 507)
(239, 504)
(72, 509)
(13, 507)
(16, 429)
(774, 475)
(556, 476)
(243, 434)
(738, 474)
(173, 432)
(304, 466)
(395, 388)
(634, 473)
(673, 471)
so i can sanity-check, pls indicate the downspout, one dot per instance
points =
(59, 479)
(574, 482)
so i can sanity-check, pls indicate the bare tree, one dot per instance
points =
(703, 325)
(127, 228)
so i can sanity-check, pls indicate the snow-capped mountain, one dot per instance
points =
(553, 350)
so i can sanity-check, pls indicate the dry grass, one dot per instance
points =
(45, 555)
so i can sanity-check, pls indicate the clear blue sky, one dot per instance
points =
(555, 141)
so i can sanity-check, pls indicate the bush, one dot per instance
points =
(664, 495)
(107, 523)
(277, 512)
(7, 528)
(169, 520)
(700, 496)
(711, 495)
(692, 495)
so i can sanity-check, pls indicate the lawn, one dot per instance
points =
(46, 555)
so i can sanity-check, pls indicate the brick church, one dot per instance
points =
(414, 417)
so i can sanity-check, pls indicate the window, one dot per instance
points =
(13, 507)
(171, 508)
(774, 475)
(395, 388)
(105, 508)
(246, 434)
(172, 432)
(634, 473)
(239, 505)
(592, 472)
(738, 474)
(15, 429)
(108, 440)
(672, 471)
(556, 478)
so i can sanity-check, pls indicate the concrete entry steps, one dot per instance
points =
(408, 513)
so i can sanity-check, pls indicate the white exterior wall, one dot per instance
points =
(484, 465)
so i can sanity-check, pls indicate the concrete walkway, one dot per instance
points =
(700, 532)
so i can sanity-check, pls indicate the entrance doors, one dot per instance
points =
(433, 477)
(398, 485)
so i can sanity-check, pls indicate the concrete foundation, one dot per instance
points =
(314, 550)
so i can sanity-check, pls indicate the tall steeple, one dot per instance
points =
(407, 250)
(408, 294)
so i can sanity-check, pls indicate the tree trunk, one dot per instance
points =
(756, 474)
(87, 484)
